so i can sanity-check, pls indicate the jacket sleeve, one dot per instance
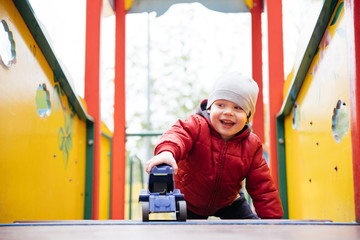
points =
(262, 190)
(180, 138)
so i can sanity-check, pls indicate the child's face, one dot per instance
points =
(227, 117)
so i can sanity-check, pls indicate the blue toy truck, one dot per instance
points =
(161, 195)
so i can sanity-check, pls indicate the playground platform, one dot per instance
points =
(191, 229)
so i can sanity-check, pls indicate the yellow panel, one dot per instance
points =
(288, 81)
(319, 158)
(105, 153)
(43, 142)
(136, 208)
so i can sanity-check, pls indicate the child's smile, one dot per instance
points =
(227, 123)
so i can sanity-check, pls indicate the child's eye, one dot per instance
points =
(238, 108)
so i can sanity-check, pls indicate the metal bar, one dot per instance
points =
(132, 159)
(119, 137)
(144, 134)
(130, 185)
(92, 95)
(276, 77)
(257, 73)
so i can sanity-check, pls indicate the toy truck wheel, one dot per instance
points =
(145, 211)
(181, 214)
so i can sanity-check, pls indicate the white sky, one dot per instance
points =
(65, 24)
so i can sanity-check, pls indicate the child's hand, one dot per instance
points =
(163, 157)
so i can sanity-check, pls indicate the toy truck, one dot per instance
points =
(161, 195)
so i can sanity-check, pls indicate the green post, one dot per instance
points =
(89, 172)
(282, 164)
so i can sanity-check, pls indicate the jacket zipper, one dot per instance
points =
(218, 177)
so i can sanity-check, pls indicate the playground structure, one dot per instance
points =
(58, 162)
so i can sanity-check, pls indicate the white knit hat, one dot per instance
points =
(236, 88)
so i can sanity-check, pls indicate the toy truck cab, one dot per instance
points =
(161, 195)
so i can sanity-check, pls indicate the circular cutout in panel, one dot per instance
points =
(7, 45)
(42, 100)
(340, 121)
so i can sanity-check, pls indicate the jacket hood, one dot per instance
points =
(202, 111)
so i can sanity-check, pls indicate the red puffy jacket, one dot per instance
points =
(211, 171)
